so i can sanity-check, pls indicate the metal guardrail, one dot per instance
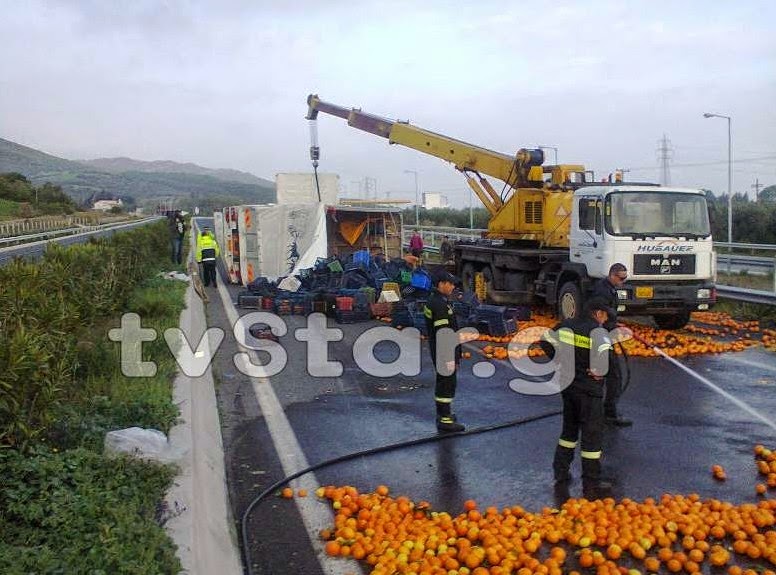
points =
(29, 238)
(739, 246)
(19, 227)
(761, 263)
(746, 295)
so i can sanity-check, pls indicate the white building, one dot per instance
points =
(106, 205)
(434, 200)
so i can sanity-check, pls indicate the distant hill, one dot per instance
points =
(119, 165)
(123, 177)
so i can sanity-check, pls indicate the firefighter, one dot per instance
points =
(606, 289)
(207, 252)
(583, 398)
(439, 315)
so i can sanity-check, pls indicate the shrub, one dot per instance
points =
(80, 512)
(45, 305)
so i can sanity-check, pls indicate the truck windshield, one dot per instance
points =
(656, 213)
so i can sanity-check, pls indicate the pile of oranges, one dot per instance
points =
(766, 466)
(675, 534)
(769, 339)
(695, 339)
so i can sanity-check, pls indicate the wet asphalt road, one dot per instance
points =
(681, 428)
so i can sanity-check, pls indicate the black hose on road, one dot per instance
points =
(411, 443)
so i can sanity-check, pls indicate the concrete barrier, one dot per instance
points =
(200, 521)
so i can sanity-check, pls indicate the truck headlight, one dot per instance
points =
(622, 294)
(704, 293)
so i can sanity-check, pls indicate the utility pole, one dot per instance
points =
(471, 209)
(757, 185)
(730, 180)
(665, 155)
(417, 196)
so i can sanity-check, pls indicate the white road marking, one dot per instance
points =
(316, 515)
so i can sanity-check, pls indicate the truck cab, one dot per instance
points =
(663, 237)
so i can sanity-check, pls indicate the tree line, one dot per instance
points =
(753, 222)
(32, 200)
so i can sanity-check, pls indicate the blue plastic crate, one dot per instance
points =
(362, 258)
(420, 280)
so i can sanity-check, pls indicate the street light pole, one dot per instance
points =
(471, 210)
(417, 208)
(730, 181)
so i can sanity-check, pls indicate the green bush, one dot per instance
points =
(45, 305)
(65, 507)
(80, 512)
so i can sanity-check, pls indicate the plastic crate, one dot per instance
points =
(420, 280)
(361, 258)
(370, 293)
(342, 316)
(384, 309)
(344, 303)
(284, 306)
(501, 328)
(519, 313)
(248, 300)
(391, 286)
(319, 306)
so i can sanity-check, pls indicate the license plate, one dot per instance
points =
(644, 292)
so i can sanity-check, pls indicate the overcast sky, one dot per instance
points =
(224, 84)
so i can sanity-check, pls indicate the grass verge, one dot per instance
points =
(64, 506)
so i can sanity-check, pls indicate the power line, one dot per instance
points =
(716, 163)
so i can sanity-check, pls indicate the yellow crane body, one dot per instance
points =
(536, 201)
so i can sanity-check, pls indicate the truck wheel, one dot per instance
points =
(569, 301)
(467, 278)
(673, 321)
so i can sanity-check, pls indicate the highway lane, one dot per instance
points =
(34, 250)
(681, 429)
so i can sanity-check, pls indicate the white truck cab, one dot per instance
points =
(663, 237)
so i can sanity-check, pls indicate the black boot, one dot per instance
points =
(561, 464)
(447, 424)
(445, 420)
(593, 486)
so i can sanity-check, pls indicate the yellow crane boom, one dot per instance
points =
(512, 216)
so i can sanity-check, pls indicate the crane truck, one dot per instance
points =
(553, 231)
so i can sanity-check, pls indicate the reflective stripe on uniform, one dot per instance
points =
(567, 444)
(446, 420)
(439, 322)
(427, 312)
(571, 338)
(590, 454)
(443, 399)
